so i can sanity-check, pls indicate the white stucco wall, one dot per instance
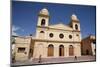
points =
(22, 43)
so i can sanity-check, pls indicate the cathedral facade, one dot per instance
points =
(51, 41)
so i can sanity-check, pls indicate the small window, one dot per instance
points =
(61, 35)
(51, 34)
(21, 50)
(70, 36)
(71, 46)
(76, 26)
(77, 35)
(42, 22)
(41, 31)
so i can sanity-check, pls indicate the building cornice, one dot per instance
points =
(42, 15)
(57, 29)
(57, 41)
(76, 21)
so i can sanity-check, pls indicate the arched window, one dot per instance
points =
(71, 50)
(61, 50)
(77, 34)
(50, 50)
(41, 34)
(42, 22)
(41, 31)
(76, 26)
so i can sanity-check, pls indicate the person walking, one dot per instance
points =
(75, 58)
(40, 59)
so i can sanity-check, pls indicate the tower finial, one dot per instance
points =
(74, 17)
(44, 11)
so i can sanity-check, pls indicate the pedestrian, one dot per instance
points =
(75, 58)
(40, 59)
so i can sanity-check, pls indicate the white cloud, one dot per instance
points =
(16, 28)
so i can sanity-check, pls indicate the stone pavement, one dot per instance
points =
(56, 60)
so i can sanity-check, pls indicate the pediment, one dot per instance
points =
(60, 26)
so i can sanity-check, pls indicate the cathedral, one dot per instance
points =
(50, 41)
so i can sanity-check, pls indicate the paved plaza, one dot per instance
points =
(56, 60)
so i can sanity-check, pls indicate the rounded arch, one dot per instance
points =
(50, 50)
(41, 31)
(76, 26)
(61, 50)
(41, 34)
(71, 50)
(42, 22)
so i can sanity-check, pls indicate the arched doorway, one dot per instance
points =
(50, 50)
(61, 50)
(71, 50)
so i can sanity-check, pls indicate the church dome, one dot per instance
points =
(44, 11)
(74, 17)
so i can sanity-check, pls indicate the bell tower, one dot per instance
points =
(75, 23)
(43, 18)
(42, 23)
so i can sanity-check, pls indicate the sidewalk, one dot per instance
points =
(56, 60)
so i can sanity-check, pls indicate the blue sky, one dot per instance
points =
(25, 16)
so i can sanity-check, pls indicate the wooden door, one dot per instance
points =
(61, 50)
(71, 50)
(50, 50)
